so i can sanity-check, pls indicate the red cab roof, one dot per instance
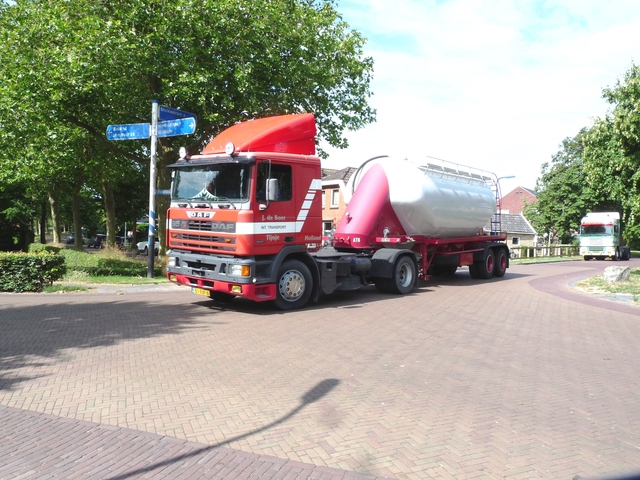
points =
(284, 133)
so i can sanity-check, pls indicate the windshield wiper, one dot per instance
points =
(225, 200)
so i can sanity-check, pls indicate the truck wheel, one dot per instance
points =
(404, 276)
(473, 271)
(617, 255)
(485, 268)
(587, 258)
(500, 267)
(294, 285)
(220, 296)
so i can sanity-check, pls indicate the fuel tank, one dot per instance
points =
(438, 199)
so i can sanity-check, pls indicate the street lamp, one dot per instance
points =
(496, 222)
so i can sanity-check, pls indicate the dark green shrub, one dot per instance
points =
(29, 272)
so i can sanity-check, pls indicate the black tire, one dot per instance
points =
(220, 297)
(404, 276)
(294, 285)
(450, 269)
(145, 252)
(500, 267)
(587, 258)
(474, 271)
(485, 268)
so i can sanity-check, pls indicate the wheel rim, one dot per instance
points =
(503, 262)
(405, 275)
(490, 263)
(291, 285)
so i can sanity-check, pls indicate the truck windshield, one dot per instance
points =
(229, 182)
(596, 230)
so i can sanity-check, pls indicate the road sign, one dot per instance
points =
(131, 131)
(168, 113)
(182, 126)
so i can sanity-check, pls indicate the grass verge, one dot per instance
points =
(598, 285)
(107, 266)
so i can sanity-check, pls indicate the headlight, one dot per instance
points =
(171, 261)
(239, 270)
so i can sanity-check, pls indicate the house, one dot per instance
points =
(334, 183)
(519, 231)
(515, 200)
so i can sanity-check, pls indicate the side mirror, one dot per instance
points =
(272, 189)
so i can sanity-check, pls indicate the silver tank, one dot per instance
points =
(438, 199)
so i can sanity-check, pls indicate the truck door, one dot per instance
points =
(276, 222)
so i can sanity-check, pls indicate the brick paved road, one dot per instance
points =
(515, 378)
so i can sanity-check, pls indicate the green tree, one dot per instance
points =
(612, 153)
(564, 195)
(86, 64)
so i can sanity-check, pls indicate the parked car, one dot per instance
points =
(71, 239)
(143, 247)
(97, 241)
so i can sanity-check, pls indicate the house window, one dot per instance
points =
(335, 198)
(324, 196)
(327, 226)
(515, 241)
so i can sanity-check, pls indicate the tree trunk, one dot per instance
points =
(78, 243)
(110, 209)
(43, 223)
(55, 217)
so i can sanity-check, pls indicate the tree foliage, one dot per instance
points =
(612, 152)
(72, 67)
(562, 198)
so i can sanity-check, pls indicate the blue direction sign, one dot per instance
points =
(182, 126)
(131, 131)
(168, 113)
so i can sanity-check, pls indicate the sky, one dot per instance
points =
(492, 84)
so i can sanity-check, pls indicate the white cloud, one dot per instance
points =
(494, 84)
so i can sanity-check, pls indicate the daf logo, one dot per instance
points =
(228, 227)
(200, 214)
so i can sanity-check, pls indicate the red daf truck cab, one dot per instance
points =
(251, 199)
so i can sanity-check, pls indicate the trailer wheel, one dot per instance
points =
(220, 296)
(485, 268)
(473, 271)
(500, 267)
(404, 276)
(294, 285)
(449, 269)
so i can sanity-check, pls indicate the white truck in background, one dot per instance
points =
(601, 237)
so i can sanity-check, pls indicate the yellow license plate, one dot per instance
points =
(200, 291)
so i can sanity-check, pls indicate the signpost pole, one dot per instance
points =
(152, 188)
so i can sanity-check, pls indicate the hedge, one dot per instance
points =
(29, 272)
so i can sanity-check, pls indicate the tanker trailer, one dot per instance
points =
(411, 221)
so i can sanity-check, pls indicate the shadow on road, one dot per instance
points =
(316, 393)
(38, 335)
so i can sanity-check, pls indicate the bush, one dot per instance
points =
(106, 263)
(29, 272)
